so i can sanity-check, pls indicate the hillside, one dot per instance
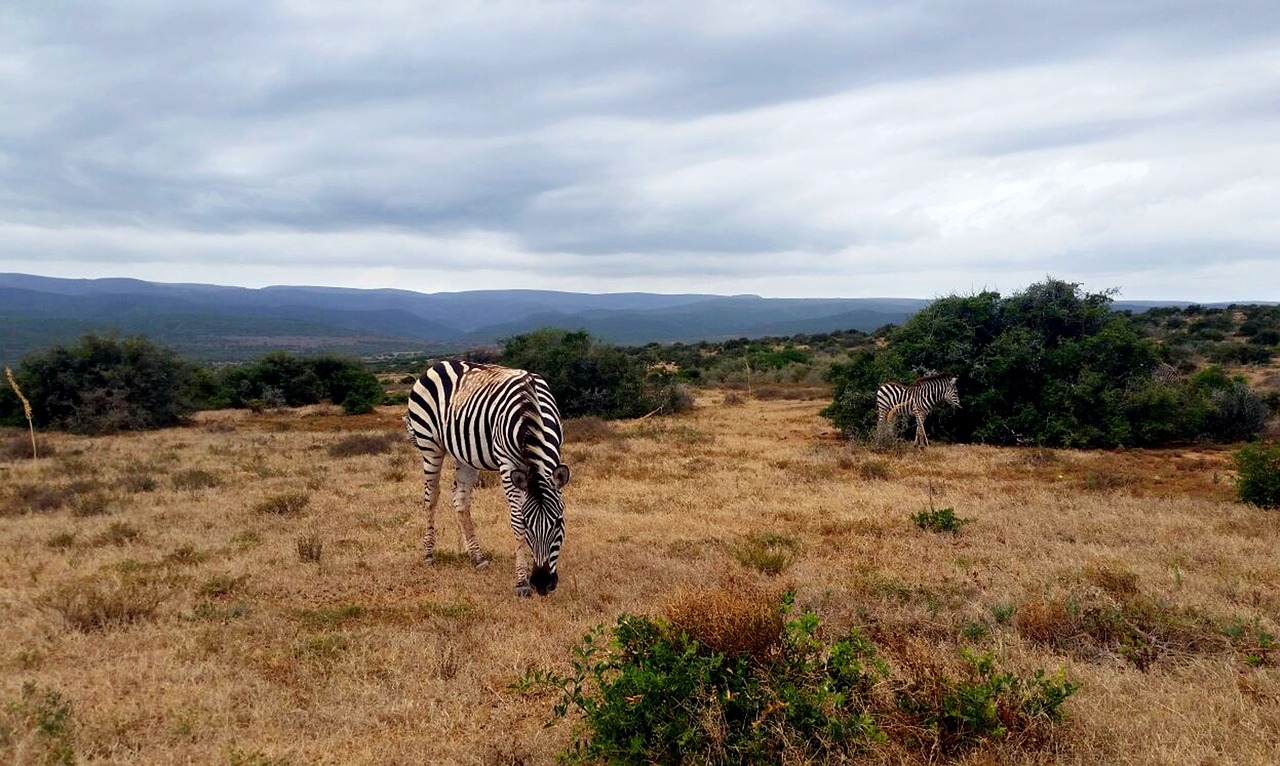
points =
(213, 323)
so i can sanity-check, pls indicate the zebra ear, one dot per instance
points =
(520, 478)
(560, 476)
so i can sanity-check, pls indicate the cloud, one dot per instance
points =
(790, 149)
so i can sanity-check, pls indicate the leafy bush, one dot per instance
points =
(104, 384)
(1259, 466)
(283, 380)
(590, 378)
(721, 682)
(38, 728)
(985, 703)
(1051, 365)
(944, 520)
(652, 694)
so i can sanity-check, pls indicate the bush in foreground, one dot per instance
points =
(652, 693)
(1259, 466)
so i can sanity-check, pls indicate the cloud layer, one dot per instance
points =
(788, 149)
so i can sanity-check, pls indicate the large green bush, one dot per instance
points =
(590, 378)
(105, 384)
(652, 693)
(1259, 466)
(1050, 365)
(281, 379)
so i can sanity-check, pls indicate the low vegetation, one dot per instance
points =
(1259, 467)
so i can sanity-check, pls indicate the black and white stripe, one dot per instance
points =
(491, 418)
(917, 398)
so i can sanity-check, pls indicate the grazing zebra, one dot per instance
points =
(918, 398)
(494, 419)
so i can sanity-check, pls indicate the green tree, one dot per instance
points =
(587, 378)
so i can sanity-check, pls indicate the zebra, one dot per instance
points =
(494, 419)
(918, 398)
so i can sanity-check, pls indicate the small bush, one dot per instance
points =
(194, 479)
(138, 482)
(88, 504)
(61, 541)
(736, 621)
(283, 504)
(1259, 466)
(366, 444)
(119, 533)
(89, 605)
(38, 728)
(873, 470)
(944, 520)
(37, 498)
(984, 703)
(768, 552)
(660, 697)
(221, 585)
(18, 447)
(310, 548)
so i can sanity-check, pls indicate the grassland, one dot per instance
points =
(248, 590)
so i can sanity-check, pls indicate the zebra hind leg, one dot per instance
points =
(464, 479)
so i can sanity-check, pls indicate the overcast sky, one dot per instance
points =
(801, 149)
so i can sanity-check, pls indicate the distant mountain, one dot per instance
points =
(216, 323)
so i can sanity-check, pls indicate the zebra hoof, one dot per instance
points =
(523, 590)
(428, 560)
(481, 563)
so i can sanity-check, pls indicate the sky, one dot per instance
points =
(791, 149)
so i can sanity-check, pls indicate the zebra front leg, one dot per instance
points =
(464, 479)
(431, 492)
(922, 439)
(522, 570)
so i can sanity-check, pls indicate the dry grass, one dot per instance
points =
(208, 637)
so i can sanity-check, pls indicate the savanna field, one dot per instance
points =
(248, 589)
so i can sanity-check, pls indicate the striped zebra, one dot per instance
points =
(493, 418)
(917, 398)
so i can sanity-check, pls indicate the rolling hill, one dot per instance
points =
(217, 323)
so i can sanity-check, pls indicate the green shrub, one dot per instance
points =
(944, 520)
(650, 694)
(1051, 365)
(105, 384)
(590, 378)
(1259, 466)
(985, 703)
(38, 728)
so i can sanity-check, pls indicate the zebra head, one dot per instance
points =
(950, 394)
(538, 501)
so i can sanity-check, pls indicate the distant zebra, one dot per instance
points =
(918, 398)
(494, 419)
(1166, 374)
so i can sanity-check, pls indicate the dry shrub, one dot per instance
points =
(61, 541)
(1105, 481)
(283, 504)
(221, 585)
(119, 533)
(733, 399)
(1113, 578)
(873, 470)
(138, 482)
(1040, 456)
(93, 503)
(366, 444)
(736, 619)
(91, 604)
(37, 498)
(310, 548)
(589, 430)
(1091, 623)
(194, 479)
(18, 447)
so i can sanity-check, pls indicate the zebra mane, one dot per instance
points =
(531, 433)
(933, 376)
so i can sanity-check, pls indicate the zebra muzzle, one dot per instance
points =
(543, 580)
